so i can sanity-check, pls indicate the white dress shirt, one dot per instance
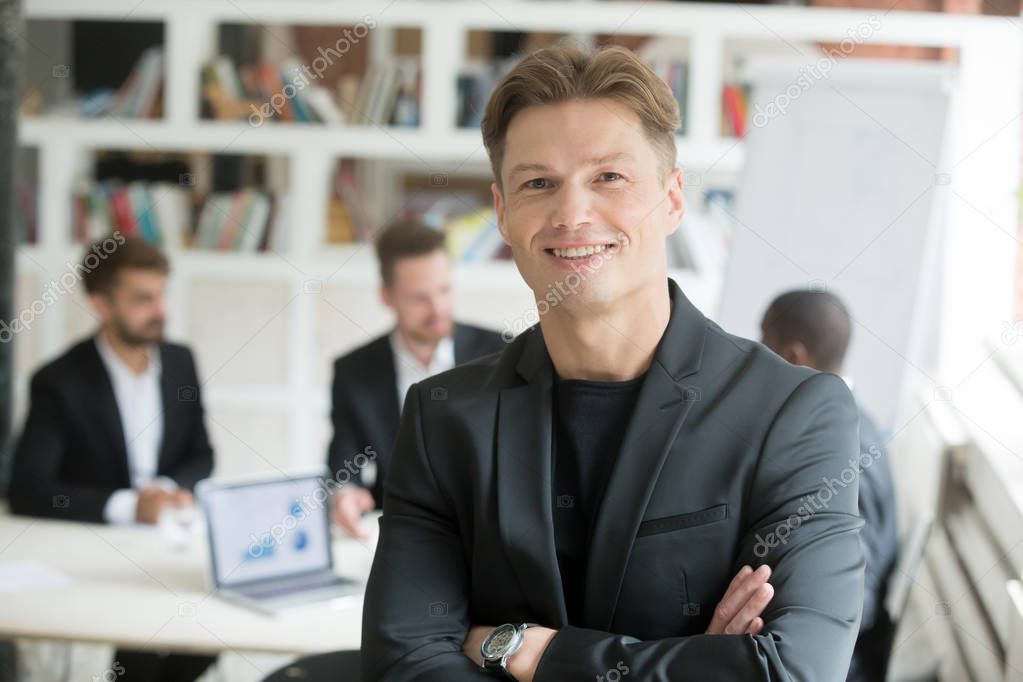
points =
(409, 370)
(140, 406)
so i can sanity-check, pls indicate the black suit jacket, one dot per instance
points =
(72, 456)
(881, 547)
(727, 444)
(364, 399)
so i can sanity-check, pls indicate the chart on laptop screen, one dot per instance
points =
(267, 530)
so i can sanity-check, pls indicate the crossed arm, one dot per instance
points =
(808, 629)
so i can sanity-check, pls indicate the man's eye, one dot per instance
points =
(610, 176)
(536, 183)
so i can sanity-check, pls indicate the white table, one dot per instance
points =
(129, 587)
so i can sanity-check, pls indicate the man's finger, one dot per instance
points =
(751, 610)
(736, 597)
(743, 573)
(351, 520)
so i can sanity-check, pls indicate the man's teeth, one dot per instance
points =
(580, 252)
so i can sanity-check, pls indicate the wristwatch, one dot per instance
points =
(500, 644)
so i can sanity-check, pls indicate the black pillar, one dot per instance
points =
(12, 34)
(12, 40)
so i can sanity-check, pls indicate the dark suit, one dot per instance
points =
(881, 547)
(726, 442)
(72, 456)
(364, 399)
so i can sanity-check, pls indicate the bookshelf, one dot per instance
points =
(265, 326)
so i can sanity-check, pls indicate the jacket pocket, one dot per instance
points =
(680, 521)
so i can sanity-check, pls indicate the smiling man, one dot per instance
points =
(591, 503)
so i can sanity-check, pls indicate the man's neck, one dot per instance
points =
(422, 351)
(135, 357)
(613, 345)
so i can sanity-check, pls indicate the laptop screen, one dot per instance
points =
(269, 529)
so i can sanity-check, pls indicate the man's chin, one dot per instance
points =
(144, 339)
(433, 334)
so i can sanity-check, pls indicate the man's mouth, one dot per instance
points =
(581, 252)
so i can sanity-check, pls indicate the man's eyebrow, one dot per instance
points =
(523, 167)
(616, 156)
(595, 161)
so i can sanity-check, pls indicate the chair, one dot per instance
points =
(336, 666)
(900, 584)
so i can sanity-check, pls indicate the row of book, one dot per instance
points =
(674, 72)
(469, 224)
(388, 94)
(475, 86)
(348, 219)
(239, 221)
(159, 212)
(475, 237)
(141, 95)
(734, 109)
(163, 214)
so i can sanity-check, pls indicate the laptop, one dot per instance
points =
(270, 545)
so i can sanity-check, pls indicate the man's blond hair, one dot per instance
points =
(563, 72)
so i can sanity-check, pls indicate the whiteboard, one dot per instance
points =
(843, 189)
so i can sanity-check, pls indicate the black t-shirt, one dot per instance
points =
(590, 418)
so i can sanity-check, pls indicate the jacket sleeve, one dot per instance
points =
(879, 538)
(36, 488)
(801, 518)
(344, 443)
(416, 610)
(197, 463)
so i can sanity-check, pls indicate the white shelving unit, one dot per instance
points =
(265, 326)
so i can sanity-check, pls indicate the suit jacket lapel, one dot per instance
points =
(170, 403)
(524, 482)
(461, 342)
(104, 403)
(382, 385)
(661, 408)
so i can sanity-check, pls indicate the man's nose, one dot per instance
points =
(572, 207)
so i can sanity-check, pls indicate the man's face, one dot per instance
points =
(420, 296)
(134, 309)
(582, 175)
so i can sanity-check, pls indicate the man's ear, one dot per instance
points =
(499, 211)
(385, 296)
(101, 305)
(676, 199)
(797, 354)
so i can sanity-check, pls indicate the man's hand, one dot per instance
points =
(350, 503)
(153, 498)
(739, 610)
(523, 663)
(474, 641)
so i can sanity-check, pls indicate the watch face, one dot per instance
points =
(499, 641)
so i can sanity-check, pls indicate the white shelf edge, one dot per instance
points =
(410, 147)
(736, 21)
